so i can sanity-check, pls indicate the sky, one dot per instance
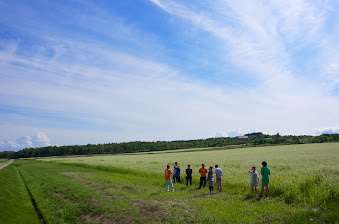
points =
(88, 72)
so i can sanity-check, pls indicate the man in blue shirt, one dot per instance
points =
(176, 173)
(218, 174)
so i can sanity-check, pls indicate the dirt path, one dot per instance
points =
(2, 165)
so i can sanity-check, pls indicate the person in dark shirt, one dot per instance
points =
(177, 173)
(174, 170)
(210, 179)
(188, 175)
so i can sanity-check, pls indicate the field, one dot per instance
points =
(3, 160)
(130, 188)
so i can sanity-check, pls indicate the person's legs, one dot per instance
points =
(171, 184)
(191, 181)
(204, 180)
(178, 179)
(263, 185)
(201, 181)
(217, 182)
(256, 193)
(167, 184)
(210, 185)
(173, 179)
(186, 181)
(219, 185)
(267, 189)
(262, 188)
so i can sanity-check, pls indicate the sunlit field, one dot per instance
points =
(307, 172)
(130, 188)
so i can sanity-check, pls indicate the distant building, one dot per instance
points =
(243, 139)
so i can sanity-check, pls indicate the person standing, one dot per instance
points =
(210, 179)
(177, 173)
(203, 172)
(265, 180)
(254, 180)
(174, 170)
(168, 174)
(218, 177)
(188, 175)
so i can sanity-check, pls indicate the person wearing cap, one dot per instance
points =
(168, 174)
(254, 180)
(265, 180)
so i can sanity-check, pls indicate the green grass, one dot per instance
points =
(75, 194)
(3, 160)
(300, 173)
(131, 188)
(15, 203)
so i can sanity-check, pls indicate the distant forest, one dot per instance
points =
(254, 139)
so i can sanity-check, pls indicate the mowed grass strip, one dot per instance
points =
(73, 194)
(15, 203)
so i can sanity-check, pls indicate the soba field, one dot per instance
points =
(130, 188)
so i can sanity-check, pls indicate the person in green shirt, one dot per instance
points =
(265, 173)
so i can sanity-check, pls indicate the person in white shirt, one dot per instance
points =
(218, 177)
(254, 180)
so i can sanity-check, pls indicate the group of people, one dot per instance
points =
(206, 175)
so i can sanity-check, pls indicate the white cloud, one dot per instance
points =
(259, 37)
(38, 140)
(221, 134)
(233, 133)
(330, 62)
(327, 130)
(24, 142)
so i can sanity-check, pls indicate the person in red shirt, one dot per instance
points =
(168, 174)
(203, 171)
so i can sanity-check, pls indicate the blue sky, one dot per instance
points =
(79, 72)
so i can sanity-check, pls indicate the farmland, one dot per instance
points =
(3, 160)
(129, 188)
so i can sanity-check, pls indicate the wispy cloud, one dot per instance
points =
(103, 75)
(258, 36)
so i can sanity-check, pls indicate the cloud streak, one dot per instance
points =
(256, 35)
(110, 77)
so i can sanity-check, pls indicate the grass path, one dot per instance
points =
(15, 202)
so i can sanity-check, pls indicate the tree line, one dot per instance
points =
(255, 139)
